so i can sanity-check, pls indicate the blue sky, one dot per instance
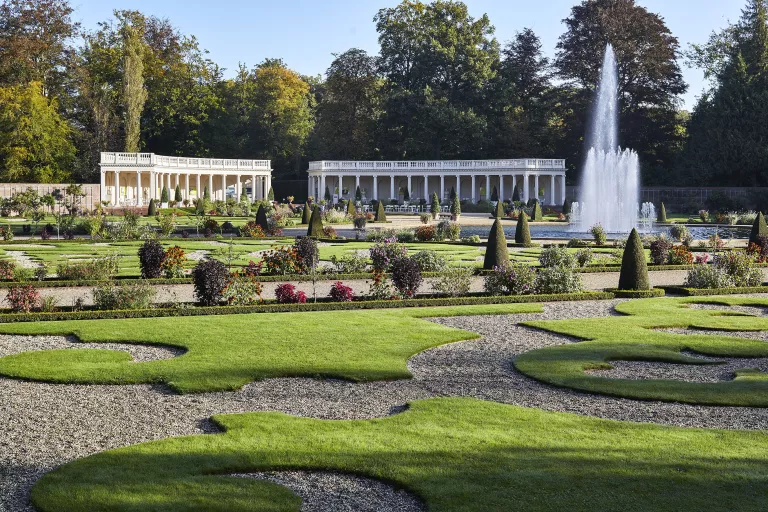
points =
(305, 33)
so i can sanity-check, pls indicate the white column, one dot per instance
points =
(501, 188)
(152, 185)
(410, 189)
(223, 187)
(210, 185)
(139, 192)
(238, 189)
(253, 188)
(458, 186)
(186, 191)
(514, 184)
(116, 189)
(392, 187)
(198, 192)
(552, 192)
(473, 188)
(320, 193)
(526, 188)
(357, 185)
(487, 187)
(562, 186)
(426, 188)
(340, 179)
(375, 188)
(536, 182)
(103, 186)
(170, 190)
(442, 187)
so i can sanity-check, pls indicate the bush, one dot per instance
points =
(137, 295)
(455, 207)
(511, 279)
(99, 269)
(425, 233)
(453, 282)
(173, 263)
(662, 216)
(472, 239)
(522, 231)
(306, 213)
(23, 297)
(330, 232)
(381, 215)
(405, 235)
(209, 278)
(574, 242)
(166, 223)
(341, 293)
(447, 230)
(680, 232)
(434, 207)
(164, 195)
(385, 251)
(307, 254)
(660, 251)
(536, 214)
(287, 294)
(558, 279)
(584, 256)
(349, 264)
(598, 233)
(360, 221)
(430, 261)
(496, 253)
(252, 229)
(7, 268)
(242, 289)
(152, 208)
(151, 256)
(740, 267)
(707, 276)
(634, 271)
(227, 227)
(499, 211)
(406, 276)
(315, 228)
(759, 228)
(557, 256)
(282, 260)
(680, 255)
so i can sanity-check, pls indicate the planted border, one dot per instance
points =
(636, 294)
(699, 292)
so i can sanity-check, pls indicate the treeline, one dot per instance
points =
(440, 87)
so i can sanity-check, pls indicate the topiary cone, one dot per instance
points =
(537, 214)
(152, 208)
(566, 207)
(522, 232)
(351, 210)
(759, 228)
(496, 253)
(261, 218)
(499, 210)
(662, 216)
(177, 195)
(315, 229)
(381, 215)
(634, 271)
(306, 214)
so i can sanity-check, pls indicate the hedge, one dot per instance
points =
(694, 292)
(636, 294)
(295, 308)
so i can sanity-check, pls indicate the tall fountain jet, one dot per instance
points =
(610, 186)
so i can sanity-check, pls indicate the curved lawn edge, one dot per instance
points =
(634, 338)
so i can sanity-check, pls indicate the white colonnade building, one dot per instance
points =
(132, 179)
(473, 180)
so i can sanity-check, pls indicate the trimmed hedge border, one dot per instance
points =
(617, 268)
(297, 308)
(636, 294)
(698, 292)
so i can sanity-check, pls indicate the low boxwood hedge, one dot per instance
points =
(288, 308)
(636, 294)
(694, 292)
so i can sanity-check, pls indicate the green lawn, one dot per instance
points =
(457, 454)
(226, 352)
(633, 338)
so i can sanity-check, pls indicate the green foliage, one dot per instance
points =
(381, 214)
(358, 194)
(164, 195)
(662, 216)
(536, 214)
(496, 252)
(327, 195)
(434, 208)
(499, 213)
(495, 194)
(759, 228)
(134, 95)
(261, 218)
(566, 207)
(271, 194)
(351, 210)
(455, 207)
(634, 271)
(177, 195)
(206, 194)
(152, 208)
(522, 231)
(315, 228)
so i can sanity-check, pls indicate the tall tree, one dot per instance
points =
(649, 77)
(134, 94)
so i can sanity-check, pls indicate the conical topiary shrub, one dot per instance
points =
(152, 209)
(496, 253)
(200, 207)
(351, 210)
(381, 215)
(327, 195)
(662, 216)
(537, 215)
(634, 271)
(522, 232)
(494, 194)
(453, 194)
(177, 195)
(358, 194)
(271, 194)
(499, 210)
(566, 207)
(306, 214)
(516, 195)
(455, 208)
(406, 195)
(434, 208)
(315, 229)
(207, 194)
(759, 228)
(164, 195)
(261, 218)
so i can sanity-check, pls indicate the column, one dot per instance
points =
(253, 188)
(410, 189)
(426, 188)
(198, 192)
(552, 192)
(223, 187)
(487, 188)
(139, 192)
(392, 187)
(102, 187)
(210, 185)
(170, 190)
(442, 187)
(458, 186)
(536, 189)
(514, 184)
(357, 185)
(153, 185)
(473, 188)
(375, 188)
(320, 193)
(501, 188)
(562, 186)
(238, 190)
(116, 189)
(267, 185)
(186, 190)
(526, 188)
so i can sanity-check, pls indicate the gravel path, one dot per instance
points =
(47, 425)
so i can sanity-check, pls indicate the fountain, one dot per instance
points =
(610, 187)
(647, 217)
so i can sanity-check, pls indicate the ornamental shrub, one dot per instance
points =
(7, 267)
(315, 228)
(740, 267)
(210, 278)
(341, 293)
(499, 210)
(385, 251)
(99, 269)
(261, 218)
(330, 232)
(680, 232)
(425, 218)
(23, 297)
(448, 230)
(511, 279)
(164, 195)
(306, 213)
(707, 276)
(137, 295)
(680, 255)
(453, 282)
(759, 228)
(359, 194)
(242, 289)
(558, 279)
(381, 215)
(598, 233)
(351, 210)
(151, 256)
(634, 271)
(307, 254)
(556, 257)
(584, 256)
(660, 250)
(177, 195)
(173, 262)
(496, 253)
(434, 208)
(281, 261)
(536, 214)
(152, 208)
(430, 261)
(271, 194)
(662, 216)
(566, 207)
(406, 276)
(522, 231)
(455, 207)
(471, 239)
(405, 235)
(287, 294)
(349, 264)
(425, 233)
(252, 229)
(360, 221)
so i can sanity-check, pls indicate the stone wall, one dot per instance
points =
(91, 199)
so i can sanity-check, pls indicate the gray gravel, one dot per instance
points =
(47, 425)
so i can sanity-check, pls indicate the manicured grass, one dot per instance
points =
(457, 454)
(228, 351)
(633, 338)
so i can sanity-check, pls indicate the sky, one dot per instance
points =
(306, 33)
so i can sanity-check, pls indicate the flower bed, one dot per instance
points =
(636, 294)
(695, 292)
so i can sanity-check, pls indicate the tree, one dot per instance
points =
(634, 270)
(206, 193)
(495, 194)
(271, 194)
(649, 77)
(452, 195)
(358, 194)
(435, 206)
(536, 214)
(35, 142)
(455, 208)
(315, 228)
(327, 195)
(164, 195)
(759, 229)
(261, 218)
(522, 231)
(306, 213)
(177, 194)
(134, 95)
(496, 252)
(351, 210)
(152, 208)
(381, 214)
(566, 207)
(516, 195)
(499, 213)
(662, 216)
